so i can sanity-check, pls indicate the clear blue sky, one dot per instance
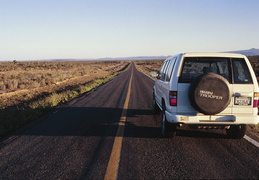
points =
(49, 29)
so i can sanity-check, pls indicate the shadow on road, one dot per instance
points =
(95, 121)
(200, 133)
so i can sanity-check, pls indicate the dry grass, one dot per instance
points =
(52, 74)
(21, 105)
(30, 75)
(146, 66)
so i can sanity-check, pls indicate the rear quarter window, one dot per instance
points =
(163, 70)
(241, 73)
(170, 69)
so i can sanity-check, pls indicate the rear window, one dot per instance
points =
(196, 66)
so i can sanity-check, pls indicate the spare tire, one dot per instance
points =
(209, 93)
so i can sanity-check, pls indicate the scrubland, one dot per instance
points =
(27, 75)
(29, 89)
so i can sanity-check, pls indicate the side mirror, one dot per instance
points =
(154, 74)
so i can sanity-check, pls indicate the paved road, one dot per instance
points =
(75, 141)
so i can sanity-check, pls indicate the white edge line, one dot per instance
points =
(146, 74)
(254, 142)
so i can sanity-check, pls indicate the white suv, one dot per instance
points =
(206, 90)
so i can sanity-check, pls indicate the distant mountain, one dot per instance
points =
(249, 52)
(134, 58)
(113, 58)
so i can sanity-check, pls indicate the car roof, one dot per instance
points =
(213, 55)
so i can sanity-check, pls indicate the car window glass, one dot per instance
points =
(166, 70)
(196, 66)
(170, 69)
(241, 71)
(162, 72)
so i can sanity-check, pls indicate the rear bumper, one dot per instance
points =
(215, 119)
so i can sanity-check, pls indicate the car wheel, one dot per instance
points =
(168, 129)
(155, 107)
(209, 94)
(236, 131)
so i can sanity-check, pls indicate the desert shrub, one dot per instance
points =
(21, 86)
(12, 84)
(42, 82)
(15, 83)
(34, 84)
(48, 80)
(255, 63)
(2, 85)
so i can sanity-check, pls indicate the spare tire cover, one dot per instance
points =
(209, 93)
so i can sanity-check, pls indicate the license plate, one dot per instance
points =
(243, 101)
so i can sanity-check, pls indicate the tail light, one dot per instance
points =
(256, 99)
(173, 98)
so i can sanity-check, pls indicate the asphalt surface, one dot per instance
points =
(75, 141)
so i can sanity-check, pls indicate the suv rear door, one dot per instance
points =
(235, 70)
(192, 68)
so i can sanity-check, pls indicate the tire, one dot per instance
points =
(155, 107)
(209, 94)
(236, 131)
(168, 129)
